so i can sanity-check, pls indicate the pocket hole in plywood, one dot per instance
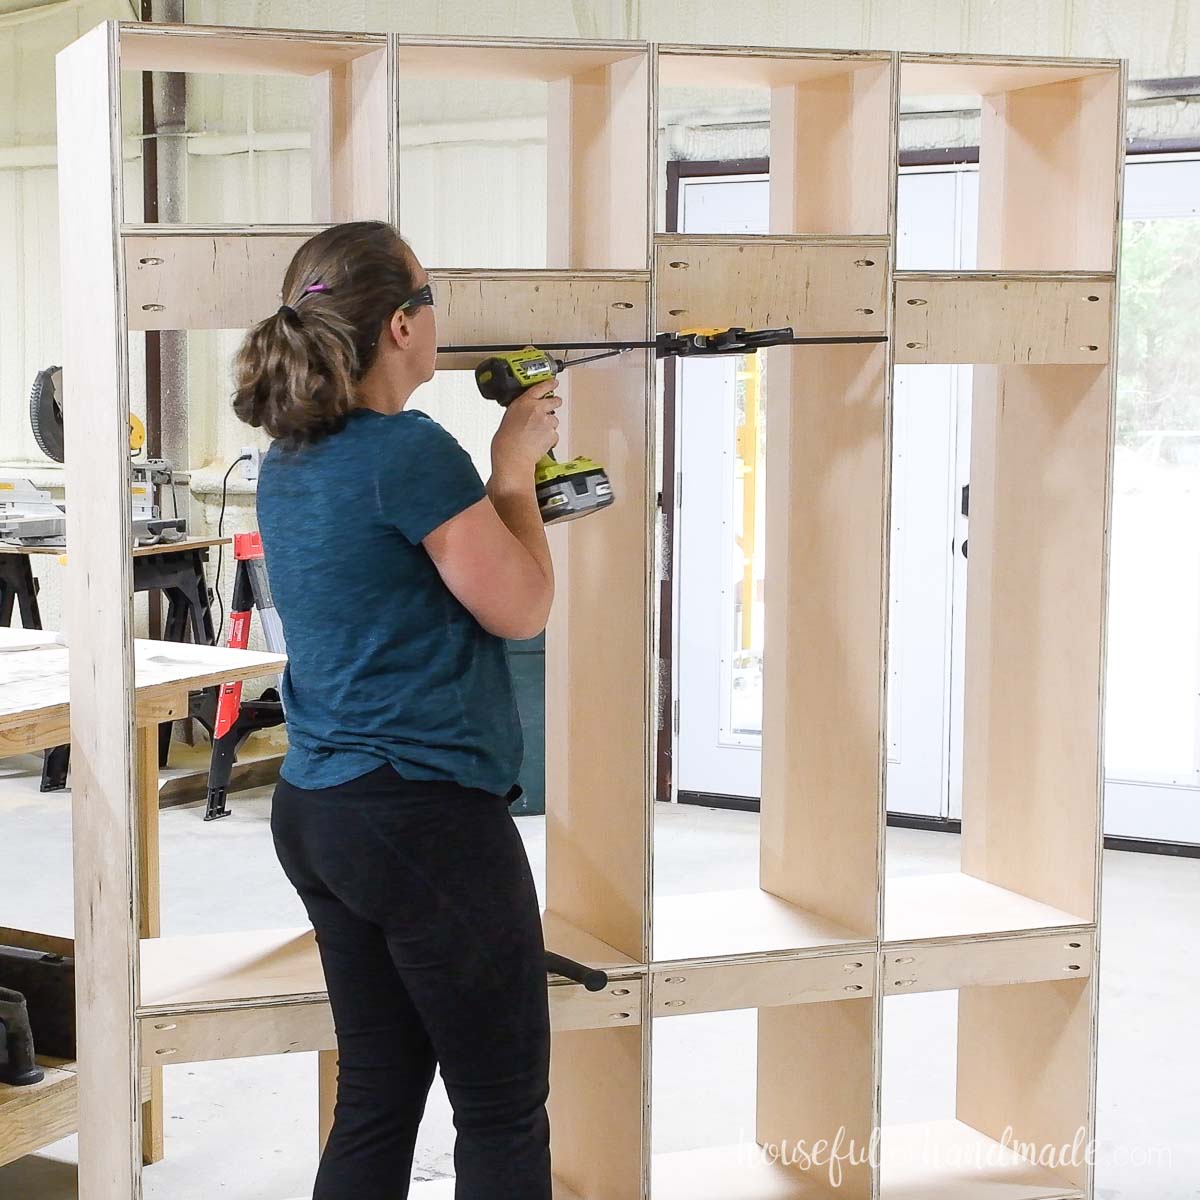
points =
(153, 307)
(150, 262)
(1073, 967)
(620, 1016)
(916, 300)
(677, 312)
(1092, 298)
(866, 311)
(675, 1003)
(864, 262)
(852, 966)
(171, 1026)
(915, 345)
(622, 304)
(675, 979)
(1074, 945)
(904, 982)
(620, 991)
(166, 1051)
(1089, 347)
(904, 960)
(853, 987)
(679, 265)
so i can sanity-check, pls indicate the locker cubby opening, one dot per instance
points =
(596, 1106)
(487, 132)
(803, 872)
(998, 1079)
(764, 1104)
(307, 115)
(1029, 723)
(824, 119)
(1050, 145)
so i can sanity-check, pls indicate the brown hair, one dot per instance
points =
(297, 371)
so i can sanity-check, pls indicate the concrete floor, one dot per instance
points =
(246, 1129)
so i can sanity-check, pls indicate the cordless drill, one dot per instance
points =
(565, 490)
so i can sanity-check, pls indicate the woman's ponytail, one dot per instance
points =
(297, 371)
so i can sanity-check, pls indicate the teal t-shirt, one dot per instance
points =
(384, 663)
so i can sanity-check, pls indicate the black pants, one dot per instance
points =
(427, 922)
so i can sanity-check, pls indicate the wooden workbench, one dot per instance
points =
(34, 714)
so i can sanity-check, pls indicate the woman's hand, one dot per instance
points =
(528, 430)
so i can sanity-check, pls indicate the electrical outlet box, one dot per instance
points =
(251, 464)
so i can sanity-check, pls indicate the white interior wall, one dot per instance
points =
(478, 153)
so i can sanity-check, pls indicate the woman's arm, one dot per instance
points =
(493, 555)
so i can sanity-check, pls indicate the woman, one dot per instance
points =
(397, 574)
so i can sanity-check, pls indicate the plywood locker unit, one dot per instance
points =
(807, 948)
(1051, 141)
(816, 1018)
(824, 269)
(348, 83)
(1022, 1083)
(832, 127)
(595, 96)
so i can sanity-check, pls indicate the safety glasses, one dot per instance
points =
(421, 298)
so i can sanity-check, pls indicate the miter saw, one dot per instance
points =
(30, 517)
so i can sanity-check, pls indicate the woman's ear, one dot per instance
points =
(401, 328)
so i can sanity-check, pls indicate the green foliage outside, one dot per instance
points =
(1158, 366)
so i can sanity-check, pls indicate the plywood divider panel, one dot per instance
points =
(816, 1083)
(823, 657)
(1024, 1070)
(1040, 459)
(99, 617)
(1048, 164)
(987, 962)
(352, 143)
(1010, 318)
(535, 307)
(831, 152)
(206, 280)
(818, 286)
(219, 1033)
(598, 1107)
(696, 988)
(598, 651)
(597, 168)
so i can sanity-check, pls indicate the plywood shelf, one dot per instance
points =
(741, 1171)
(708, 925)
(34, 1116)
(201, 49)
(542, 60)
(757, 66)
(932, 74)
(955, 905)
(206, 972)
(992, 317)
(948, 1160)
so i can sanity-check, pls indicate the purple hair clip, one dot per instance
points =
(316, 287)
